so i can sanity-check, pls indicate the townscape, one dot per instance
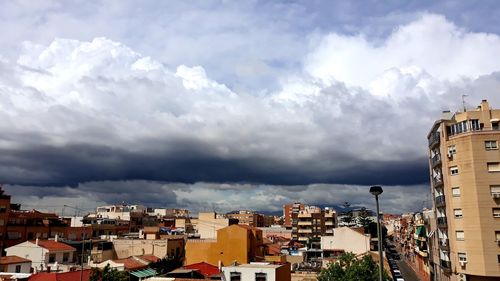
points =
(249, 140)
(156, 244)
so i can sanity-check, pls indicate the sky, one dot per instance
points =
(223, 105)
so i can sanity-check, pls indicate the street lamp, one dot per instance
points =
(377, 190)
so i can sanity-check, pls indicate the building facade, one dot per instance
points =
(464, 162)
(313, 222)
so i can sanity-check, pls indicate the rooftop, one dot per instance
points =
(13, 260)
(52, 245)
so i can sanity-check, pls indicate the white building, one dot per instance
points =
(347, 240)
(118, 212)
(260, 271)
(15, 264)
(44, 254)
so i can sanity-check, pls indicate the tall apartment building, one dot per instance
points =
(465, 175)
(313, 222)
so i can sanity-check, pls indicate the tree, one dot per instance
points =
(107, 274)
(348, 268)
(166, 264)
(364, 218)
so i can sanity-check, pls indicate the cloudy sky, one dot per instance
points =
(234, 104)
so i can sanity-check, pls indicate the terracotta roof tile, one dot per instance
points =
(66, 276)
(204, 268)
(12, 260)
(149, 258)
(53, 245)
(131, 263)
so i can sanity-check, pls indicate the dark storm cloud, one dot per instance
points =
(187, 162)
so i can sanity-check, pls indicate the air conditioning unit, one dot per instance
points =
(462, 263)
(495, 195)
(450, 155)
(462, 277)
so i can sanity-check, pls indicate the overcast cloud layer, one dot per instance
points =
(241, 106)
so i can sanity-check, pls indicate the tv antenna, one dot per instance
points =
(463, 102)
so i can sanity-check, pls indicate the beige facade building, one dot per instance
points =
(169, 247)
(207, 224)
(465, 177)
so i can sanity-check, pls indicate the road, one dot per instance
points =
(406, 271)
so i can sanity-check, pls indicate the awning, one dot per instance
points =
(420, 231)
(144, 273)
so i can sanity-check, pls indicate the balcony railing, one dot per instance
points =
(442, 222)
(440, 201)
(437, 181)
(446, 264)
(434, 138)
(444, 244)
(436, 160)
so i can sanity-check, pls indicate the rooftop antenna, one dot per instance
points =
(463, 101)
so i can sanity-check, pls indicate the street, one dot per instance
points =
(406, 271)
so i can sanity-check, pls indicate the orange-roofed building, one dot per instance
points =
(57, 276)
(44, 253)
(132, 263)
(15, 264)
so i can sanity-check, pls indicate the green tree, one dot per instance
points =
(107, 274)
(348, 268)
(364, 219)
(166, 264)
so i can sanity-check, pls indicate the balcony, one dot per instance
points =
(305, 230)
(434, 139)
(440, 201)
(437, 181)
(446, 265)
(442, 222)
(328, 223)
(305, 222)
(444, 244)
(436, 160)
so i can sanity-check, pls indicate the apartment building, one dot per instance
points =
(289, 211)
(246, 217)
(313, 222)
(464, 162)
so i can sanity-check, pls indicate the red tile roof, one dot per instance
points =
(66, 276)
(12, 260)
(149, 258)
(53, 245)
(204, 268)
(131, 263)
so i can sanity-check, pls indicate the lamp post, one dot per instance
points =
(377, 190)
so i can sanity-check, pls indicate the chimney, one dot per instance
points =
(485, 106)
(56, 238)
(36, 241)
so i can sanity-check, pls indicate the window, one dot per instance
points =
(65, 257)
(260, 276)
(495, 191)
(3, 209)
(455, 191)
(496, 212)
(235, 276)
(457, 213)
(2, 222)
(52, 258)
(474, 124)
(18, 268)
(493, 167)
(491, 145)
(497, 236)
(13, 235)
(460, 235)
(454, 170)
(462, 257)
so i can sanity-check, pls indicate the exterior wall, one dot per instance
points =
(25, 267)
(273, 272)
(4, 217)
(125, 248)
(37, 255)
(208, 224)
(276, 231)
(346, 239)
(234, 243)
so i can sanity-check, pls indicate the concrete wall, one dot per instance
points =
(207, 225)
(346, 239)
(25, 267)
(273, 273)
(161, 248)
